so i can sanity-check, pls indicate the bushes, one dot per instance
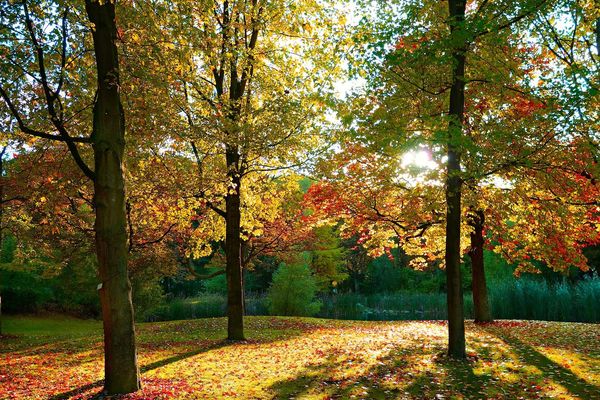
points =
(525, 298)
(147, 296)
(293, 291)
(23, 292)
(386, 306)
(530, 298)
(206, 306)
(521, 299)
(209, 305)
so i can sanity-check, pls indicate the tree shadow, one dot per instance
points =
(396, 376)
(377, 383)
(285, 329)
(314, 378)
(143, 369)
(393, 377)
(170, 360)
(563, 376)
(24, 347)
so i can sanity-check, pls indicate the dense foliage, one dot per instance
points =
(293, 291)
(175, 159)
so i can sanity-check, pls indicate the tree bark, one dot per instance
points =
(108, 139)
(479, 286)
(1, 215)
(598, 36)
(233, 250)
(456, 325)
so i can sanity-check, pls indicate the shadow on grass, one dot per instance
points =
(24, 346)
(284, 329)
(392, 378)
(563, 376)
(397, 376)
(143, 369)
(315, 379)
(378, 383)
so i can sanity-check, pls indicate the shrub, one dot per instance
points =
(207, 305)
(147, 296)
(217, 285)
(23, 292)
(293, 291)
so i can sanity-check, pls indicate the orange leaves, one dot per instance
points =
(325, 200)
(406, 44)
(313, 358)
(522, 107)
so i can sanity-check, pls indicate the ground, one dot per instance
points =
(284, 358)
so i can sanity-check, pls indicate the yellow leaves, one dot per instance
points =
(135, 37)
(313, 359)
(307, 28)
(257, 232)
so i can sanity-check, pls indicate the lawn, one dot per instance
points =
(61, 358)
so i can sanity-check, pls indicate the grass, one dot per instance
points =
(50, 326)
(525, 298)
(306, 358)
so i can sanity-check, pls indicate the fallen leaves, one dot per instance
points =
(316, 359)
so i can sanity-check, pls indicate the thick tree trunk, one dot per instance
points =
(1, 215)
(479, 286)
(108, 138)
(598, 36)
(233, 251)
(456, 324)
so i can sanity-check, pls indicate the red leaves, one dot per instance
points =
(506, 324)
(523, 107)
(316, 358)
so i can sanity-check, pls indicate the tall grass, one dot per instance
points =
(382, 307)
(513, 299)
(532, 299)
(206, 306)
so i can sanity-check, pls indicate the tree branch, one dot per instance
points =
(33, 132)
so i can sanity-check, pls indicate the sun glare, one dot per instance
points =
(418, 158)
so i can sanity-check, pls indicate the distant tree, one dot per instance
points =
(327, 258)
(293, 291)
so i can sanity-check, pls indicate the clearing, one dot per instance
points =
(304, 358)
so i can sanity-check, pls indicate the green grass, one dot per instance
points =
(54, 325)
(306, 358)
(517, 299)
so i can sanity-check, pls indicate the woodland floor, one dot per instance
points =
(285, 358)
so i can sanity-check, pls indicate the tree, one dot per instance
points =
(53, 73)
(431, 55)
(327, 257)
(2, 153)
(293, 291)
(456, 328)
(250, 78)
(481, 305)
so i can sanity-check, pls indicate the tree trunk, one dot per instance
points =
(598, 36)
(456, 324)
(108, 138)
(479, 286)
(233, 251)
(1, 215)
